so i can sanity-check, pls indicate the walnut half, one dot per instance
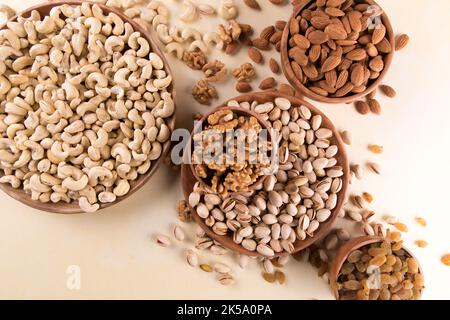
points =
(204, 92)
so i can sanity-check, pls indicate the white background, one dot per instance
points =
(115, 249)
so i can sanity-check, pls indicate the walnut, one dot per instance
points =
(204, 92)
(245, 72)
(184, 212)
(215, 71)
(226, 171)
(220, 116)
(195, 59)
(232, 32)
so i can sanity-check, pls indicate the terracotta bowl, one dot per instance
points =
(238, 111)
(72, 207)
(188, 179)
(349, 247)
(290, 76)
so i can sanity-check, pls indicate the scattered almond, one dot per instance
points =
(255, 55)
(362, 107)
(261, 44)
(243, 87)
(374, 106)
(274, 66)
(401, 41)
(388, 91)
(267, 32)
(267, 83)
(252, 4)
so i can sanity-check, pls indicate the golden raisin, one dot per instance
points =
(446, 259)
(401, 226)
(421, 221)
(421, 243)
(368, 197)
(374, 148)
(395, 236)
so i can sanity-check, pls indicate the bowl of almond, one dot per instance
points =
(337, 51)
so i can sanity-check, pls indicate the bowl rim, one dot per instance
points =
(324, 227)
(352, 245)
(72, 207)
(290, 76)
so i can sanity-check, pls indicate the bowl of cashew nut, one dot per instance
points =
(86, 107)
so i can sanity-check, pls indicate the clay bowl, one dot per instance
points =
(188, 180)
(349, 247)
(289, 73)
(200, 125)
(72, 207)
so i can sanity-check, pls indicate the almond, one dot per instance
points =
(330, 63)
(319, 91)
(335, 3)
(232, 48)
(377, 64)
(274, 66)
(299, 57)
(336, 31)
(301, 41)
(354, 18)
(280, 25)
(320, 22)
(331, 78)
(318, 37)
(278, 2)
(388, 91)
(357, 54)
(294, 26)
(255, 55)
(276, 37)
(401, 41)
(252, 4)
(310, 71)
(384, 46)
(346, 89)
(357, 75)
(371, 50)
(261, 43)
(334, 12)
(267, 83)
(372, 94)
(378, 33)
(267, 32)
(374, 106)
(342, 79)
(314, 53)
(362, 107)
(243, 87)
